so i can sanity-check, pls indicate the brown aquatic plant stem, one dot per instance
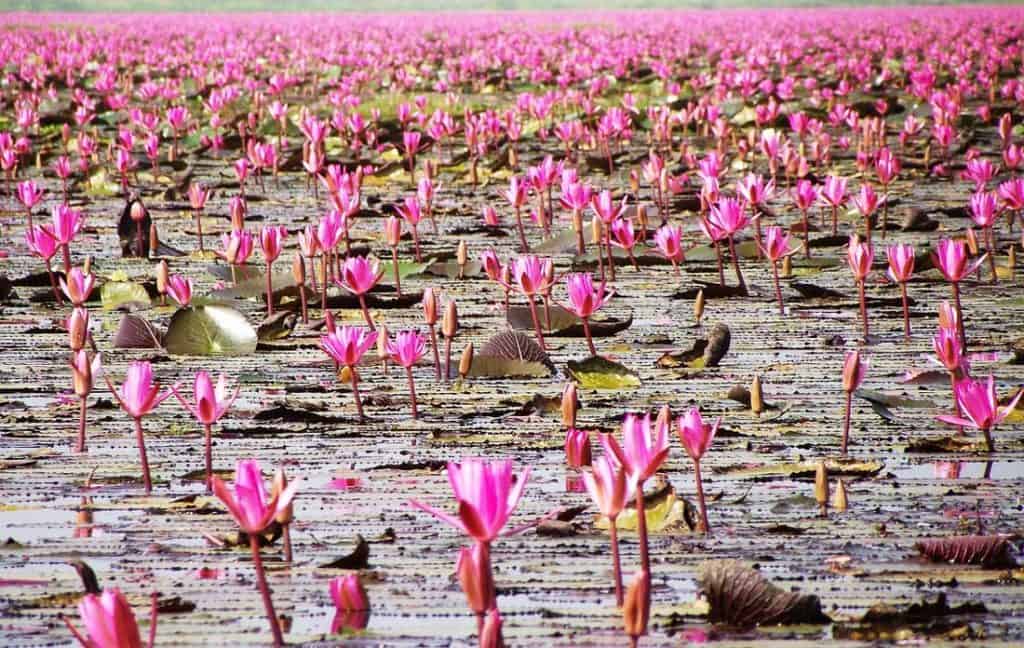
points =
(366, 312)
(778, 288)
(536, 322)
(736, 263)
(704, 527)
(140, 440)
(447, 357)
(355, 394)
(286, 541)
(208, 455)
(53, 284)
(641, 529)
(846, 422)
(412, 392)
(82, 412)
(613, 533)
(261, 581)
(863, 307)
(522, 232)
(906, 310)
(959, 316)
(270, 290)
(590, 338)
(199, 228)
(398, 279)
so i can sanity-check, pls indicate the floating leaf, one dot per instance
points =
(946, 444)
(277, 327)
(515, 345)
(836, 468)
(991, 551)
(663, 510)
(101, 186)
(563, 323)
(118, 293)
(209, 330)
(740, 596)
(487, 366)
(890, 615)
(136, 332)
(601, 373)
(406, 268)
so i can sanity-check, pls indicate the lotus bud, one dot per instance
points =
(466, 361)
(491, 637)
(162, 275)
(1011, 257)
(87, 265)
(81, 373)
(429, 306)
(78, 328)
(237, 209)
(154, 239)
(839, 499)
(663, 181)
(636, 608)
(854, 370)
(475, 577)
(634, 181)
(137, 211)
(821, 487)
(570, 405)
(393, 231)
(596, 231)
(641, 217)
(450, 321)
(756, 396)
(65, 133)
(513, 157)
(287, 514)
(664, 417)
(698, 307)
(299, 269)
(461, 257)
(787, 266)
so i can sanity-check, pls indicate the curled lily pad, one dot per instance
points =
(118, 293)
(563, 323)
(136, 332)
(209, 330)
(601, 373)
(485, 366)
(992, 551)
(515, 345)
(740, 596)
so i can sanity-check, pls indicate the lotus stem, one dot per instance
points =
(398, 279)
(355, 394)
(154, 609)
(641, 530)
(261, 580)
(53, 284)
(736, 263)
(366, 312)
(522, 232)
(208, 455)
(199, 228)
(846, 422)
(412, 392)
(705, 528)
(286, 540)
(778, 288)
(270, 290)
(863, 308)
(140, 440)
(906, 310)
(586, 332)
(613, 532)
(536, 322)
(959, 316)
(83, 409)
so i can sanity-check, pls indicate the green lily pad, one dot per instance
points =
(101, 185)
(117, 293)
(601, 373)
(498, 367)
(209, 330)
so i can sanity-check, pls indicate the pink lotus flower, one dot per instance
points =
(577, 448)
(669, 239)
(776, 244)
(608, 487)
(866, 202)
(347, 344)
(833, 194)
(946, 344)
(979, 406)
(406, 349)
(605, 207)
(238, 247)
(67, 223)
(109, 621)
(859, 256)
(950, 257)
(250, 504)
(584, 298)
(412, 213)
(348, 594)
(40, 242)
(180, 289)
(78, 286)
(530, 274)
(486, 491)
(29, 194)
(728, 216)
(210, 403)
(138, 396)
(272, 241)
(640, 453)
(254, 510)
(754, 190)
(901, 267)
(984, 208)
(359, 275)
(695, 434)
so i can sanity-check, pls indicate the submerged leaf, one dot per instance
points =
(740, 596)
(601, 373)
(992, 551)
(209, 330)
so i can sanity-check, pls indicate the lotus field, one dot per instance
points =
(538, 329)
